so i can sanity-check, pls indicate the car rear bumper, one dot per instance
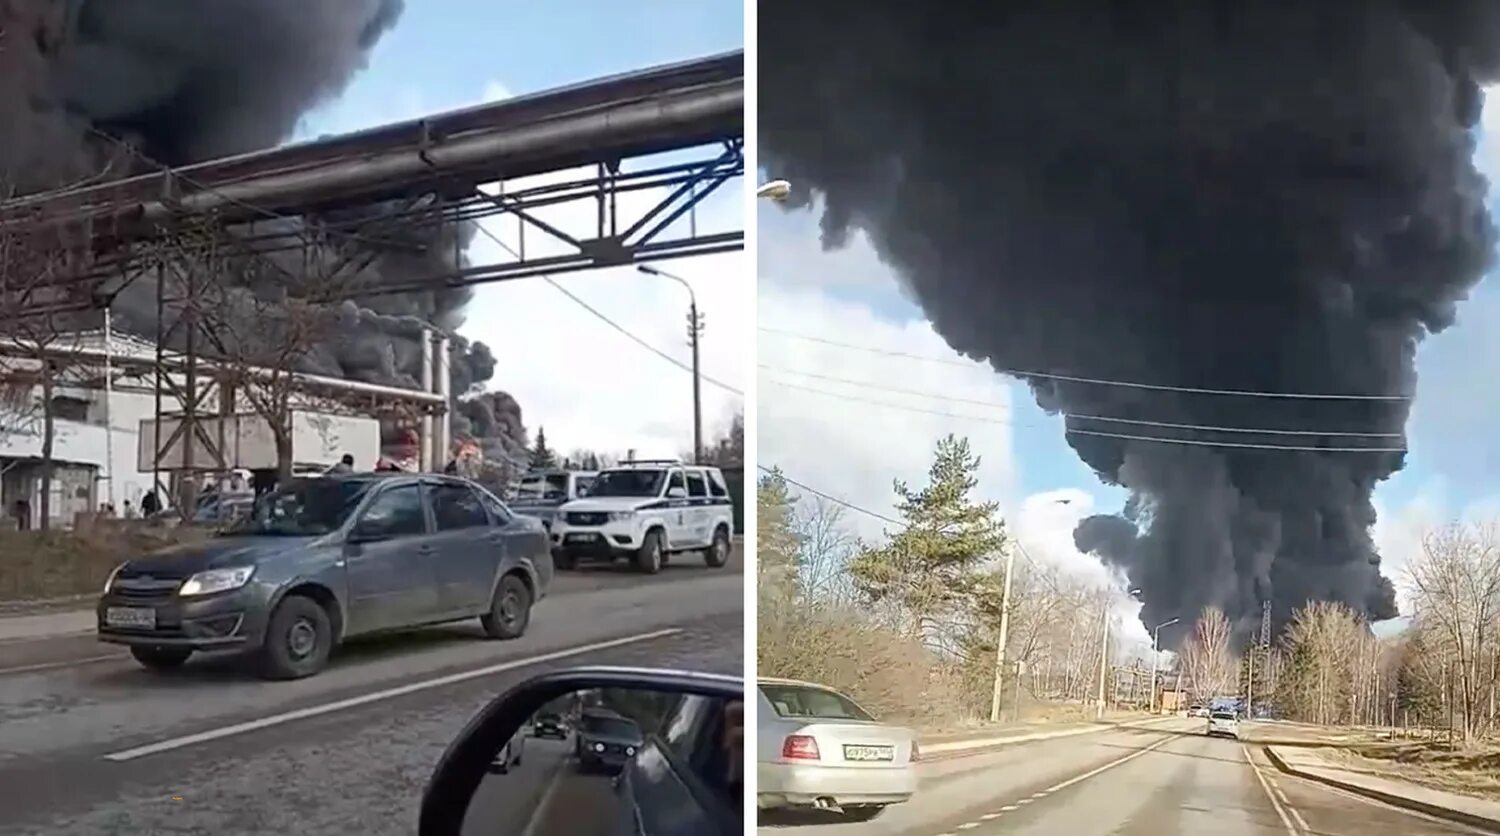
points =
(795, 785)
(214, 622)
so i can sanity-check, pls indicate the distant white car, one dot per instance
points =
(509, 754)
(1223, 723)
(818, 748)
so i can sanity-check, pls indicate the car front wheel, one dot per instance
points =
(649, 558)
(299, 639)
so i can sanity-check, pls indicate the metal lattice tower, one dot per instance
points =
(1265, 625)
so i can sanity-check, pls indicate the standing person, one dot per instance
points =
(149, 505)
(23, 514)
(345, 465)
(130, 510)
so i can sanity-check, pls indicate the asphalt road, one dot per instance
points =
(105, 747)
(1157, 782)
(546, 794)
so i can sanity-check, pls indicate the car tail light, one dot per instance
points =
(916, 754)
(800, 747)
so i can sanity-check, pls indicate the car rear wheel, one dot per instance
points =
(299, 639)
(161, 658)
(865, 813)
(649, 558)
(510, 610)
(718, 553)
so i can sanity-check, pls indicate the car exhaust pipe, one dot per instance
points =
(828, 804)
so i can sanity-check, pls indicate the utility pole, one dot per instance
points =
(1103, 660)
(695, 330)
(1010, 564)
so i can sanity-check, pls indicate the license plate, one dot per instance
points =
(582, 538)
(869, 753)
(140, 617)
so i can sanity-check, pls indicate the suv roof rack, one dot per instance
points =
(632, 462)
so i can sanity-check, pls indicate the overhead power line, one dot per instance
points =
(1192, 390)
(831, 498)
(610, 322)
(1165, 440)
(1136, 421)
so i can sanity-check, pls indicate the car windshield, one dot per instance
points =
(610, 726)
(1223, 715)
(305, 508)
(632, 482)
(551, 486)
(816, 703)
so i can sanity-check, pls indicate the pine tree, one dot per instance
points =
(542, 457)
(934, 563)
(777, 544)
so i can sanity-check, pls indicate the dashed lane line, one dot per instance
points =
(376, 696)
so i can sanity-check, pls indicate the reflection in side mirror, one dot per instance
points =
(676, 493)
(594, 758)
(364, 533)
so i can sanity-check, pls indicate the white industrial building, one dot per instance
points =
(104, 398)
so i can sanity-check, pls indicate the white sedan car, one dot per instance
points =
(1223, 723)
(817, 748)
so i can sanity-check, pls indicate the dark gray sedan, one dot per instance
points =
(327, 558)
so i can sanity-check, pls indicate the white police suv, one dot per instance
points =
(647, 511)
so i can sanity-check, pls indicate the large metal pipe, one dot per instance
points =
(424, 444)
(671, 119)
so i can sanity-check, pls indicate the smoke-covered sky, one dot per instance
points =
(1221, 198)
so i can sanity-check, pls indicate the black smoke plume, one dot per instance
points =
(1274, 196)
(181, 81)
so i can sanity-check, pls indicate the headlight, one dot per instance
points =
(621, 516)
(217, 580)
(110, 581)
(629, 751)
(598, 747)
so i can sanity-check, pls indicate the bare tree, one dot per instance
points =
(40, 323)
(1316, 681)
(1207, 657)
(1455, 584)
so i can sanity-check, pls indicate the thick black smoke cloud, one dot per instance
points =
(1220, 194)
(186, 80)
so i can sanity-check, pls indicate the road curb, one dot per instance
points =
(1434, 810)
(963, 748)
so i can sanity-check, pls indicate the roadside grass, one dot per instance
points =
(44, 565)
(1474, 771)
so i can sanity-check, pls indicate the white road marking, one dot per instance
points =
(1024, 801)
(376, 696)
(537, 819)
(1009, 808)
(46, 666)
(1375, 802)
(1111, 765)
(968, 825)
(988, 816)
(1042, 794)
(1264, 785)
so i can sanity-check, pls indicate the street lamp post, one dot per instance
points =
(695, 329)
(1156, 651)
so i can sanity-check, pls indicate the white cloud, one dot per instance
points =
(830, 439)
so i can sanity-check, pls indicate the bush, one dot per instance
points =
(37, 565)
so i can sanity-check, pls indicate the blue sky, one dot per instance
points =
(448, 54)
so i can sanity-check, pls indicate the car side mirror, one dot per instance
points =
(676, 493)
(365, 531)
(589, 735)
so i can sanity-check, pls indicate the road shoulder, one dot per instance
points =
(1475, 812)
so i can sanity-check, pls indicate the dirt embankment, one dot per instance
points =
(43, 565)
